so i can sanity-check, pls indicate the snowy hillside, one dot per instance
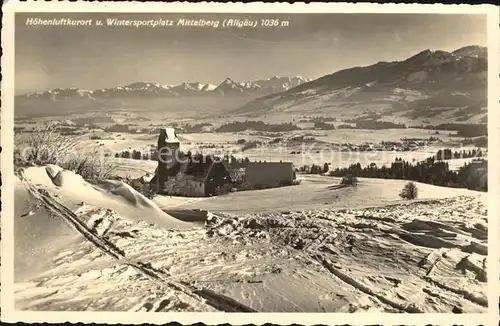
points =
(454, 82)
(106, 247)
(265, 86)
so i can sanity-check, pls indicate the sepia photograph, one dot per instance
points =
(250, 162)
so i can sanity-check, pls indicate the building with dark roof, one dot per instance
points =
(269, 174)
(182, 175)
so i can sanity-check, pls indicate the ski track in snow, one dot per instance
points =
(427, 256)
(202, 295)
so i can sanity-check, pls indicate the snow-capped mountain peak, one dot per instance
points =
(427, 79)
(472, 51)
(227, 87)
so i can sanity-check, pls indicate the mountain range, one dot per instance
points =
(427, 84)
(451, 86)
(228, 87)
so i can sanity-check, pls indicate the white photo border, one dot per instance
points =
(8, 312)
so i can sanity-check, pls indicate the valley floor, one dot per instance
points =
(422, 256)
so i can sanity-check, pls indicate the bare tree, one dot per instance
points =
(93, 165)
(47, 146)
(44, 146)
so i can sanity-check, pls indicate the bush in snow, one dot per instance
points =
(45, 145)
(349, 180)
(48, 146)
(409, 191)
(91, 166)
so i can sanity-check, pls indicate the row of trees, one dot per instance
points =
(196, 128)
(471, 176)
(323, 125)
(319, 119)
(448, 154)
(238, 126)
(230, 160)
(378, 125)
(118, 128)
(316, 169)
(137, 155)
(462, 129)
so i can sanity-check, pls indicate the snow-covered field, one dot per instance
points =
(310, 247)
(137, 168)
(315, 192)
(337, 159)
(316, 151)
(116, 142)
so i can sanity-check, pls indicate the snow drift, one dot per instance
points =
(110, 194)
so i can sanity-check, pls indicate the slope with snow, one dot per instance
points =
(422, 256)
(428, 80)
(110, 194)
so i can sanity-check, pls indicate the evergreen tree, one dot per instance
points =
(409, 191)
(326, 167)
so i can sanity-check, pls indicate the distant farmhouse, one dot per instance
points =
(182, 175)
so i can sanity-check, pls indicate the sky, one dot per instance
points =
(312, 45)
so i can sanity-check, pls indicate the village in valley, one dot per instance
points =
(271, 156)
